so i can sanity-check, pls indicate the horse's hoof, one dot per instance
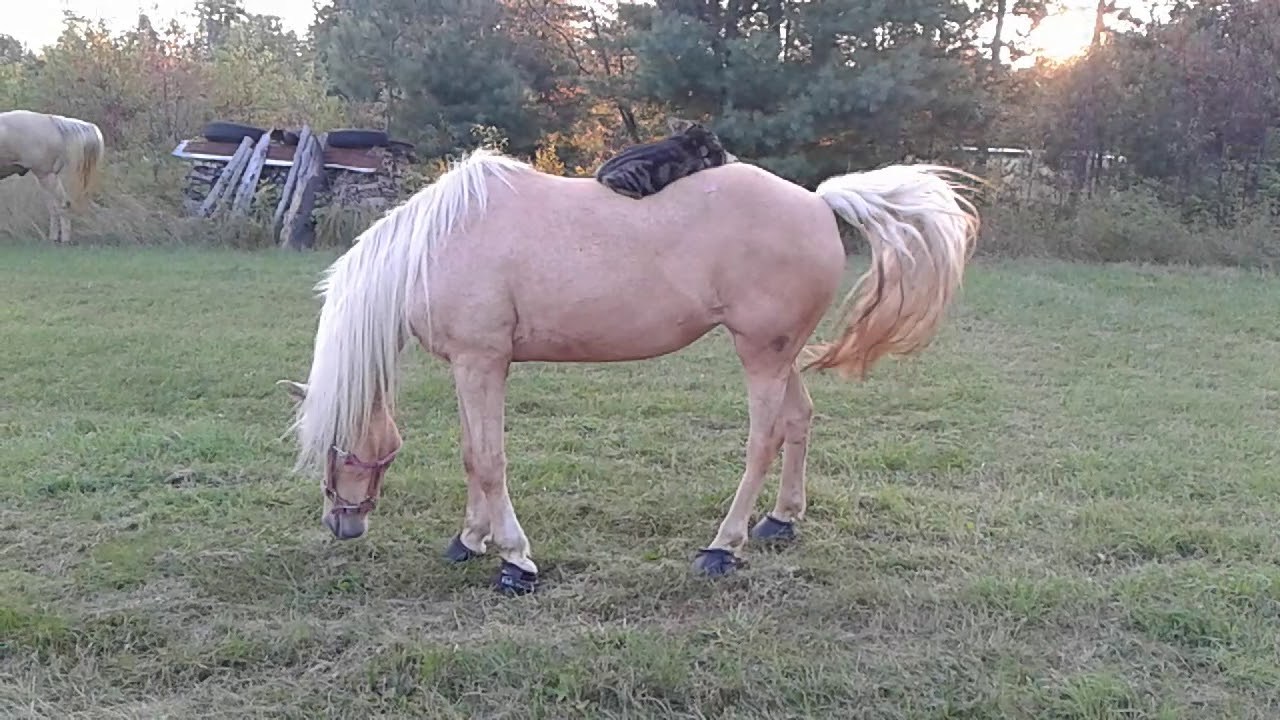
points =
(459, 553)
(771, 529)
(715, 562)
(512, 580)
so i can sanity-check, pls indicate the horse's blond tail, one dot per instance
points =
(85, 148)
(922, 233)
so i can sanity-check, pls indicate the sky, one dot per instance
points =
(40, 23)
(1060, 37)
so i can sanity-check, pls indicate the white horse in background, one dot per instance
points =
(64, 154)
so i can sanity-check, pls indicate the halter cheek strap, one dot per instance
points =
(341, 505)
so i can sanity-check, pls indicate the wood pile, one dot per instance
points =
(295, 178)
(204, 174)
(370, 190)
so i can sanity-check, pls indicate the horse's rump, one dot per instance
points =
(84, 148)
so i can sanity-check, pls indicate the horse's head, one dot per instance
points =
(352, 478)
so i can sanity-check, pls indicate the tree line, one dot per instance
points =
(1178, 100)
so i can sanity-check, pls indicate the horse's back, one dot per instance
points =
(578, 270)
(29, 126)
(736, 207)
(733, 220)
(29, 139)
(25, 123)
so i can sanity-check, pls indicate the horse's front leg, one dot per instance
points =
(470, 543)
(481, 384)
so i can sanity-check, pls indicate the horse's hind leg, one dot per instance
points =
(797, 418)
(57, 202)
(481, 383)
(768, 369)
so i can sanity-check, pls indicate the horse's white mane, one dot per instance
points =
(367, 295)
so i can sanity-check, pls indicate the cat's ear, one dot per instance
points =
(679, 125)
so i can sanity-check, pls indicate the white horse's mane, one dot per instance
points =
(367, 295)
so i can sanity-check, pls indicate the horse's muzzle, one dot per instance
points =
(346, 526)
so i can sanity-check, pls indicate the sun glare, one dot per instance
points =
(1062, 36)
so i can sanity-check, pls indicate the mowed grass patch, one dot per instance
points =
(1065, 508)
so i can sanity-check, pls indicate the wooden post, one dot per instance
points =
(252, 170)
(299, 159)
(225, 178)
(294, 232)
(228, 195)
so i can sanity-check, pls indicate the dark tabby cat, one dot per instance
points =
(643, 170)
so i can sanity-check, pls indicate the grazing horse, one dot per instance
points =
(496, 262)
(64, 154)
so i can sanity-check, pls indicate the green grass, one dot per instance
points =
(1067, 508)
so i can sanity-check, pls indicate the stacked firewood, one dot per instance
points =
(200, 180)
(245, 181)
(203, 175)
(361, 189)
(342, 187)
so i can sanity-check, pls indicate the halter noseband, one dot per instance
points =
(341, 505)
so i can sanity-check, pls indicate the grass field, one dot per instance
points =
(1067, 508)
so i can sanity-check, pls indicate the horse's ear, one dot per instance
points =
(679, 125)
(296, 390)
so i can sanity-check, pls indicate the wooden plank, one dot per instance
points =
(295, 233)
(303, 232)
(249, 182)
(290, 199)
(360, 160)
(229, 194)
(225, 178)
(299, 156)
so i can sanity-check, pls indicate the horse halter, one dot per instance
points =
(342, 506)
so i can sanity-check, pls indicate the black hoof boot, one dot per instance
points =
(772, 530)
(512, 580)
(715, 562)
(459, 553)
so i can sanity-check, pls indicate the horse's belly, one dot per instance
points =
(612, 327)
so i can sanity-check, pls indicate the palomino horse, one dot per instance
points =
(497, 262)
(64, 155)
